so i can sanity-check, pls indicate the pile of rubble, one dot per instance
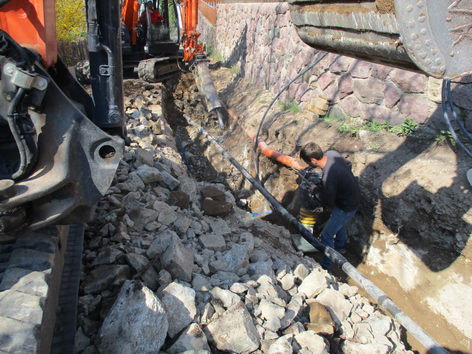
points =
(173, 265)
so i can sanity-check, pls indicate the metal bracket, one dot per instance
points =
(25, 79)
(104, 70)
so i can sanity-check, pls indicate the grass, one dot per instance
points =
(375, 146)
(329, 119)
(406, 128)
(291, 106)
(234, 70)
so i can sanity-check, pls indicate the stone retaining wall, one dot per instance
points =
(261, 40)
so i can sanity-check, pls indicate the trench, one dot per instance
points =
(181, 97)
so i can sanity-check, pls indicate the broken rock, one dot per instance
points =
(177, 260)
(179, 302)
(193, 339)
(105, 277)
(136, 322)
(234, 331)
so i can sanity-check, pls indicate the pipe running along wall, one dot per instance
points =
(265, 149)
(377, 294)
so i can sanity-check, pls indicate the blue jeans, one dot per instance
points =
(335, 226)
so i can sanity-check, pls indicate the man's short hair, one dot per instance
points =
(311, 151)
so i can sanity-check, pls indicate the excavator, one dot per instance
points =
(60, 146)
(159, 47)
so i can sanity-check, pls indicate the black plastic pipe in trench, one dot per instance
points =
(338, 259)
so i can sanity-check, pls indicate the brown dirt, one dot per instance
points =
(414, 191)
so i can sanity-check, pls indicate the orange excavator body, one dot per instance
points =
(190, 34)
(130, 17)
(32, 23)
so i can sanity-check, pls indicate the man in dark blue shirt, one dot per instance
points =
(339, 191)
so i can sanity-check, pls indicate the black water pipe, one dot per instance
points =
(336, 258)
(448, 121)
(183, 154)
(454, 114)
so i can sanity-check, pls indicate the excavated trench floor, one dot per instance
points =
(381, 160)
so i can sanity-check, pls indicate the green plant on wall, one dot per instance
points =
(463, 113)
(408, 127)
(290, 106)
(445, 137)
(70, 20)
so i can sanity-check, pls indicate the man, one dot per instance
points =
(340, 190)
(155, 16)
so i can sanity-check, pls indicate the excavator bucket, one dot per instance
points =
(430, 36)
(207, 88)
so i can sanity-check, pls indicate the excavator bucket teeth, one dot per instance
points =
(207, 88)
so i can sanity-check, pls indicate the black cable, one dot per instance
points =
(454, 114)
(270, 105)
(448, 121)
(15, 131)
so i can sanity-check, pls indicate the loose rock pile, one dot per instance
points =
(174, 265)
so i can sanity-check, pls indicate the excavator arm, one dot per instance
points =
(59, 146)
(429, 36)
(192, 47)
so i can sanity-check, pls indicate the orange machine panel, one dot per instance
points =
(130, 17)
(32, 23)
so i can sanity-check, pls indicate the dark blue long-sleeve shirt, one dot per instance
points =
(340, 187)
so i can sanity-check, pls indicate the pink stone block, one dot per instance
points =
(325, 79)
(408, 81)
(361, 69)
(344, 86)
(341, 65)
(414, 108)
(369, 90)
(380, 71)
(351, 106)
(392, 95)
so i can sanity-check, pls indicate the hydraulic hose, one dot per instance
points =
(15, 131)
(113, 112)
(448, 121)
(454, 114)
(256, 168)
(337, 258)
(265, 149)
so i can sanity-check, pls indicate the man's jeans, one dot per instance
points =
(335, 226)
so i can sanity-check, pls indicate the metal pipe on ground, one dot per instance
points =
(265, 149)
(377, 294)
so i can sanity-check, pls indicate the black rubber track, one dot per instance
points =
(66, 319)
